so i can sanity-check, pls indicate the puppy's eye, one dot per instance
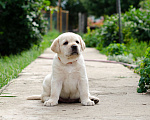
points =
(77, 42)
(65, 43)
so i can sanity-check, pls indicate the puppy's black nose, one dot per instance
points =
(74, 47)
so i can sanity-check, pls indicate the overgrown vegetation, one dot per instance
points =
(11, 66)
(136, 34)
(116, 49)
(144, 71)
(21, 25)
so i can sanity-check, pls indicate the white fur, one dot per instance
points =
(68, 79)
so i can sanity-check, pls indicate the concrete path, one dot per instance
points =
(114, 84)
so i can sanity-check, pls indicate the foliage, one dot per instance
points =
(110, 31)
(107, 7)
(137, 49)
(144, 70)
(107, 34)
(91, 37)
(25, 27)
(116, 49)
(133, 53)
(145, 4)
(141, 19)
(122, 58)
(11, 66)
(135, 31)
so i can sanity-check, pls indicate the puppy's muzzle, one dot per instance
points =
(74, 50)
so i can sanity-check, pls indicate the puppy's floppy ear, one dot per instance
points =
(82, 43)
(55, 47)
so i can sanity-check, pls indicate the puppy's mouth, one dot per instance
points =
(74, 53)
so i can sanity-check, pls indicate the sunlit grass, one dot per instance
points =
(11, 66)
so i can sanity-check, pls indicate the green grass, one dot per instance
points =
(11, 66)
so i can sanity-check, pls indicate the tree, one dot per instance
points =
(107, 7)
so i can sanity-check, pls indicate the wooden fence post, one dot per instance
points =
(51, 18)
(82, 22)
(80, 25)
(120, 23)
(60, 27)
(58, 20)
(67, 15)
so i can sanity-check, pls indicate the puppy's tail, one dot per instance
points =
(34, 97)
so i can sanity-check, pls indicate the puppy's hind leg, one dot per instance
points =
(46, 88)
(45, 97)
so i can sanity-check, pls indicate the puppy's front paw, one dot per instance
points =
(88, 103)
(50, 103)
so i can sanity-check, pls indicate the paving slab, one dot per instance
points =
(114, 84)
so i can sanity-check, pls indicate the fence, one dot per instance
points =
(58, 19)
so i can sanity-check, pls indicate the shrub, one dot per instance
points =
(91, 38)
(137, 48)
(109, 31)
(122, 58)
(145, 4)
(141, 20)
(144, 70)
(135, 25)
(116, 49)
(21, 25)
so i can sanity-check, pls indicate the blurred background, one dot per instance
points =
(23, 22)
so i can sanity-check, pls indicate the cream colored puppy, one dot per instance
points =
(68, 81)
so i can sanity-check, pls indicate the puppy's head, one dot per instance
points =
(69, 44)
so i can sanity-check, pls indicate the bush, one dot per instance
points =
(109, 32)
(122, 58)
(135, 25)
(141, 20)
(144, 70)
(135, 29)
(116, 49)
(25, 27)
(91, 37)
(136, 48)
(117, 52)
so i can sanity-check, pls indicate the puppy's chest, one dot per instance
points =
(70, 69)
(71, 78)
(71, 74)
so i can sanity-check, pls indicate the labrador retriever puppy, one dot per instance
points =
(68, 81)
